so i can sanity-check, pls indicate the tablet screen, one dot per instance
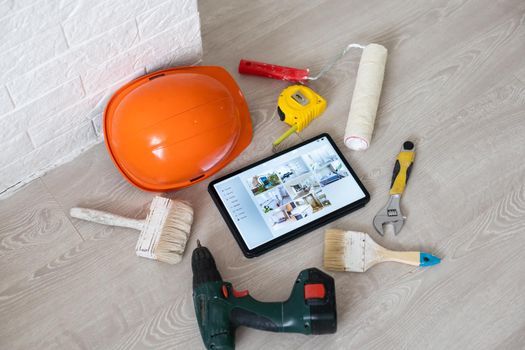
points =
(287, 192)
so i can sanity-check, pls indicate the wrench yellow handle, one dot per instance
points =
(402, 169)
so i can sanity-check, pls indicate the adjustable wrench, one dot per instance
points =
(391, 212)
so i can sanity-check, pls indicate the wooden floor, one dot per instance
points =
(455, 84)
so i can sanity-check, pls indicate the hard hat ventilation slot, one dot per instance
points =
(196, 178)
(157, 76)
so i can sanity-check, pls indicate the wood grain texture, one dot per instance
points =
(454, 84)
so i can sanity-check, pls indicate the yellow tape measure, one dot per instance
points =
(297, 106)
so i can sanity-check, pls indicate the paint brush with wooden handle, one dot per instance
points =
(357, 252)
(163, 234)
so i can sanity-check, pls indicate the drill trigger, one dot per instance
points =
(236, 293)
(240, 293)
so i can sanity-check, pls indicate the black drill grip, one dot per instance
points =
(242, 317)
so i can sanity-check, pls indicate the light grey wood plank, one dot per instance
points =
(33, 229)
(89, 294)
(34, 232)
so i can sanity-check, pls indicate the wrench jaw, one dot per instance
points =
(390, 214)
(378, 224)
(398, 225)
(381, 221)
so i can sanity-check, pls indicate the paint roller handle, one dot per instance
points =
(402, 168)
(105, 218)
(273, 71)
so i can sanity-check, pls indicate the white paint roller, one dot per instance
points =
(365, 100)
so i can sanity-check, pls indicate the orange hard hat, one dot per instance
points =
(175, 127)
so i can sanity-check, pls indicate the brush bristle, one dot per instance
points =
(334, 250)
(175, 233)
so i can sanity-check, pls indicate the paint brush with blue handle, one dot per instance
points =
(357, 252)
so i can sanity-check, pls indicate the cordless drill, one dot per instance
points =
(220, 309)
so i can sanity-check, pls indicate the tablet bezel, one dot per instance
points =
(278, 241)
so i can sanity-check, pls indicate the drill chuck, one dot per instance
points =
(203, 266)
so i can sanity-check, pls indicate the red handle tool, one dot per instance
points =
(273, 71)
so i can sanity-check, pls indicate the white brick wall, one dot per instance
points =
(60, 61)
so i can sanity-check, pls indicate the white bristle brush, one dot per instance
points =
(357, 252)
(163, 234)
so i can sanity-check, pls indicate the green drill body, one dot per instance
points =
(220, 309)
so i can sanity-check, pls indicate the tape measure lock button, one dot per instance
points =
(281, 114)
(300, 98)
